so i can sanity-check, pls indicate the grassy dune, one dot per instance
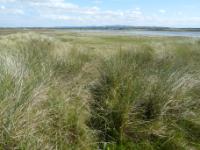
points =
(81, 91)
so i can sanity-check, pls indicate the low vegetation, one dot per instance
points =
(85, 91)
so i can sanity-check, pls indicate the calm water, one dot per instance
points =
(146, 33)
(166, 33)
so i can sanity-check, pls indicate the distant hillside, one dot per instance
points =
(146, 28)
(117, 27)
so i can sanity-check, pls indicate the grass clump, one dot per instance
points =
(141, 98)
(37, 112)
(90, 93)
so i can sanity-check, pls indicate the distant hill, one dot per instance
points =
(116, 27)
(134, 28)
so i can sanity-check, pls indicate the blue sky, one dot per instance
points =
(47, 13)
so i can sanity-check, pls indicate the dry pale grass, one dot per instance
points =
(86, 91)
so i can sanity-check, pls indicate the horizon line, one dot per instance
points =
(98, 26)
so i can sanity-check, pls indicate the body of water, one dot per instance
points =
(166, 33)
(146, 33)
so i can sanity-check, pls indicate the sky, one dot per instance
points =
(55, 13)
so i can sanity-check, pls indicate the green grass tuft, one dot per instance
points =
(70, 91)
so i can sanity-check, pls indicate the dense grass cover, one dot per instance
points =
(85, 91)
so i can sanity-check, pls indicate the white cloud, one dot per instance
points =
(7, 1)
(53, 4)
(2, 7)
(162, 11)
(60, 11)
(95, 15)
(13, 11)
(180, 13)
(97, 1)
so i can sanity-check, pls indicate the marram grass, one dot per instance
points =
(99, 92)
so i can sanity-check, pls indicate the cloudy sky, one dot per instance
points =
(48, 13)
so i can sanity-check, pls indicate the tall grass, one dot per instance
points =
(145, 101)
(60, 95)
(38, 111)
